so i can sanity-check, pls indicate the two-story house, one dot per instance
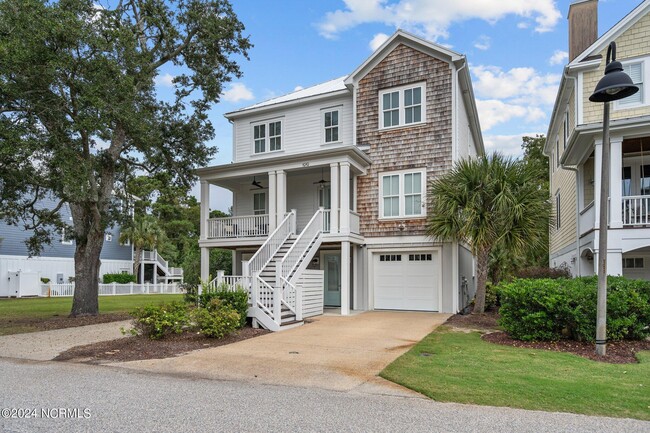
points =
(331, 182)
(574, 147)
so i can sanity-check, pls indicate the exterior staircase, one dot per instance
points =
(162, 269)
(275, 300)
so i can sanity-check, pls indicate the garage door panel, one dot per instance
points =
(406, 284)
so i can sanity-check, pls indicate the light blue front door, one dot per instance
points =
(332, 262)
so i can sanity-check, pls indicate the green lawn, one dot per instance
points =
(464, 369)
(21, 315)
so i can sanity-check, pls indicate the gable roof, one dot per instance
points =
(619, 28)
(331, 86)
(405, 38)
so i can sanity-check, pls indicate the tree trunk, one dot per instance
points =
(137, 255)
(86, 265)
(482, 264)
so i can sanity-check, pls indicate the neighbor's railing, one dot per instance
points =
(355, 224)
(113, 289)
(238, 227)
(636, 210)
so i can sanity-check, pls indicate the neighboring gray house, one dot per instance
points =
(329, 189)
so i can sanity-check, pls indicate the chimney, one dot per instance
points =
(583, 26)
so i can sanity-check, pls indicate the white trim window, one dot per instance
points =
(633, 263)
(566, 128)
(259, 203)
(267, 136)
(331, 125)
(402, 106)
(402, 194)
(558, 214)
(108, 237)
(635, 70)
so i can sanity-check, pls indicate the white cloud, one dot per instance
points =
(483, 43)
(432, 18)
(165, 80)
(558, 57)
(523, 85)
(237, 92)
(377, 40)
(506, 144)
(295, 89)
(523, 25)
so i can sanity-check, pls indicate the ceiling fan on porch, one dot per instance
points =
(322, 180)
(257, 184)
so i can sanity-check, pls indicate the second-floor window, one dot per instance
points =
(66, 239)
(558, 220)
(267, 136)
(402, 194)
(331, 124)
(402, 106)
(635, 72)
(259, 203)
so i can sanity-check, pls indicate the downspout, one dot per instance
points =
(456, 87)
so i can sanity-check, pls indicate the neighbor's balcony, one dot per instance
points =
(246, 226)
(636, 210)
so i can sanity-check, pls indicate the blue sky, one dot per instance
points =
(516, 50)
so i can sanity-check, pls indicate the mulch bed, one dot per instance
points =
(60, 322)
(618, 352)
(139, 347)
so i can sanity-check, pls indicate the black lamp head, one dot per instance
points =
(616, 84)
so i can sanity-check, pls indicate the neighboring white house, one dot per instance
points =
(330, 183)
(574, 147)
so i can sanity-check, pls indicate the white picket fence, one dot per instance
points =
(113, 289)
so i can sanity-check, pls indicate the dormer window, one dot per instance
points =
(402, 106)
(267, 136)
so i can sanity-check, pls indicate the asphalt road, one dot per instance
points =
(72, 397)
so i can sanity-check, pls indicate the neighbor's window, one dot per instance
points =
(259, 203)
(402, 194)
(557, 211)
(635, 72)
(402, 106)
(66, 239)
(267, 136)
(566, 128)
(633, 263)
(331, 122)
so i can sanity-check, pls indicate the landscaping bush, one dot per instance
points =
(491, 298)
(118, 278)
(45, 280)
(554, 309)
(236, 299)
(157, 321)
(538, 272)
(217, 319)
(190, 292)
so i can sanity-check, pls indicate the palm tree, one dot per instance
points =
(487, 202)
(144, 233)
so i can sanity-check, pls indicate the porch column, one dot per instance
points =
(334, 212)
(281, 180)
(615, 191)
(205, 264)
(205, 209)
(272, 201)
(345, 198)
(598, 160)
(345, 278)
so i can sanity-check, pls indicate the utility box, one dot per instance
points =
(23, 284)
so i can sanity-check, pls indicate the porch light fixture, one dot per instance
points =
(615, 85)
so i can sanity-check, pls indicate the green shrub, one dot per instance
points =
(118, 278)
(190, 292)
(554, 309)
(491, 298)
(537, 272)
(45, 280)
(157, 321)
(236, 299)
(217, 319)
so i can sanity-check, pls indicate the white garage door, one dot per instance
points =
(406, 281)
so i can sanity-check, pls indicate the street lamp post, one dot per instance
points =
(615, 85)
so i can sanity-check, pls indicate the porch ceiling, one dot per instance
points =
(229, 175)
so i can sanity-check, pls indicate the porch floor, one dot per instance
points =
(343, 353)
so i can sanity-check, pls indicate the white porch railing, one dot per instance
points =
(113, 289)
(636, 210)
(587, 218)
(238, 227)
(327, 218)
(355, 225)
(262, 257)
(287, 267)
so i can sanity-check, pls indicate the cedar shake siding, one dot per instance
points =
(425, 145)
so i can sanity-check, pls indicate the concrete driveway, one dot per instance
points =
(343, 353)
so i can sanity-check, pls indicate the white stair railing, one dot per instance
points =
(287, 267)
(272, 244)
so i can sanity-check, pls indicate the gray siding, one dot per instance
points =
(14, 237)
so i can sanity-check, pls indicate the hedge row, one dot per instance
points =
(554, 309)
